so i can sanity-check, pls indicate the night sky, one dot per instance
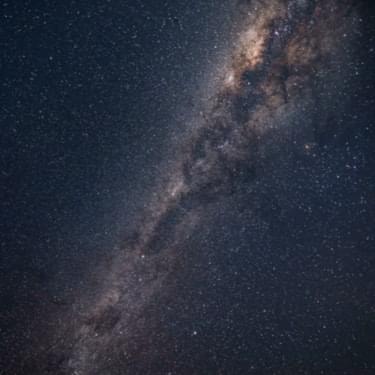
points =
(187, 187)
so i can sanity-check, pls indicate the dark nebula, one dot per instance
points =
(254, 250)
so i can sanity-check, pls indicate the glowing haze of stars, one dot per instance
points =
(276, 89)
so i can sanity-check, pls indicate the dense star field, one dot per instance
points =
(189, 187)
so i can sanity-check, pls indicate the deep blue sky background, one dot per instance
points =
(89, 92)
